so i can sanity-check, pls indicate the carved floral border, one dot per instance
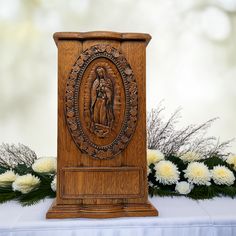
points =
(71, 102)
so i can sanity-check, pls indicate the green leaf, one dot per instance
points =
(34, 197)
(203, 192)
(6, 189)
(3, 169)
(4, 197)
(154, 191)
(22, 169)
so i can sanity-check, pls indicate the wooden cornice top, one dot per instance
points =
(101, 35)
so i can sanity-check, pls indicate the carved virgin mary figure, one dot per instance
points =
(101, 109)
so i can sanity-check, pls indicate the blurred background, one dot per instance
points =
(191, 60)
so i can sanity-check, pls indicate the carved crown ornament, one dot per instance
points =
(101, 102)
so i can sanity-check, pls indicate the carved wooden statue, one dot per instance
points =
(101, 126)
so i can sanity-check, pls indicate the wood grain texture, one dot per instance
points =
(100, 211)
(101, 102)
(93, 181)
(87, 186)
(137, 61)
(101, 35)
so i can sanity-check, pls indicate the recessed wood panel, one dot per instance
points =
(117, 182)
(101, 102)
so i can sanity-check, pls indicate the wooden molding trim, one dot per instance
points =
(104, 35)
(100, 211)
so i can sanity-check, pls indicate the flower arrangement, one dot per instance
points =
(178, 163)
(199, 168)
(24, 177)
(203, 179)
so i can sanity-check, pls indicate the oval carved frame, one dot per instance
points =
(71, 102)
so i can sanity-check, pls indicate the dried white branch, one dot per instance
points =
(164, 136)
(12, 155)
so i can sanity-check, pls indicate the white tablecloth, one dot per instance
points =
(178, 217)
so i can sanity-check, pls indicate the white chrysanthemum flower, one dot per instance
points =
(166, 172)
(45, 165)
(222, 175)
(26, 183)
(154, 156)
(7, 178)
(232, 161)
(183, 187)
(191, 156)
(198, 173)
(54, 184)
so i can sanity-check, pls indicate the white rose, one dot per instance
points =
(183, 187)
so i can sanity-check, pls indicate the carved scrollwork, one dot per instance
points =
(101, 102)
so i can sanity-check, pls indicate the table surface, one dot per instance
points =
(178, 216)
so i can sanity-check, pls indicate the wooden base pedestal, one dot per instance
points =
(100, 211)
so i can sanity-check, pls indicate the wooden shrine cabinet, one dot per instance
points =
(102, 167)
